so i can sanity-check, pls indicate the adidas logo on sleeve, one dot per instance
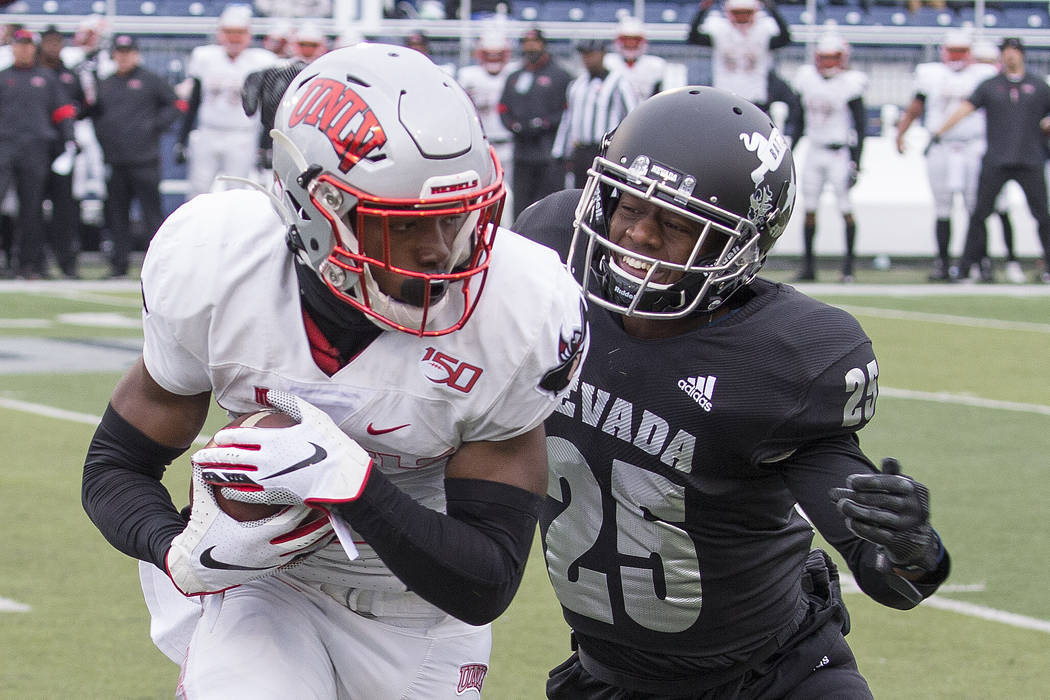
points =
(699, 389)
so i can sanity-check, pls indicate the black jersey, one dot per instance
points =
(676, 465)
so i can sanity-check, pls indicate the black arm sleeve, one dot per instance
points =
(469, 562)
(809, 473)
(190, 118)
(856, 110)
(121, 491)
(784, 37)
(695, 35)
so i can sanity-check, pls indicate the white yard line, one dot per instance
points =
(964, 400)
(62, 414)
(947, 319)
(849, 586)
(12, 606)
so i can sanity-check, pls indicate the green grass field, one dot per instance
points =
(964, 407)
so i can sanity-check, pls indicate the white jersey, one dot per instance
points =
(645, 75)
(944, 89)
(485, 90)
(221, 79)
(825, 100)
(222, 314)
(741, 59)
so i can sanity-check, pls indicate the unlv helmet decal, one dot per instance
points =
(343, 116)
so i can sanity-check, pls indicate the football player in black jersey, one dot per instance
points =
(711, 404)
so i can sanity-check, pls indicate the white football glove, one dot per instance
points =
(313, 462)
(216, 552)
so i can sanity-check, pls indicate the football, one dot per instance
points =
(241, 510)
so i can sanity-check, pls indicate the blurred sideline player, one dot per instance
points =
(217, 137)
(644, 71)
(742, 41)
(309, 43)
(91, 61)
(953, 164)
(277, 40)
(370, 297)
(484, 81)
(833, 104)
(712, 402)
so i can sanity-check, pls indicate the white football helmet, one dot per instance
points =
(956, 50)
(831, 55)
(376, 132)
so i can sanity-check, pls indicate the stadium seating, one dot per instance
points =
(1032, 17)
(660, 12)
(608, 10)
(886, 16)
(992, 17)
(528, 11)
(841, 14)
(793, 14)
(927, 16)
(563, 11)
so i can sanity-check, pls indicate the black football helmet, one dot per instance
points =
(701, 153)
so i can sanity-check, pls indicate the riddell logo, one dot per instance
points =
(699, 389)
(456, 187)
(471, 676)
(343, 116)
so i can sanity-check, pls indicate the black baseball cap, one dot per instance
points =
(534, 33)
(1011, 42)
(588, 45)
(125, 42)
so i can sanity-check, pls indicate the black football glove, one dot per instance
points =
(934, 140)
(263, 90)
(893, 511)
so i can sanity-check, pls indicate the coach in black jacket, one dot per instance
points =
(135, 106)
(531, 107)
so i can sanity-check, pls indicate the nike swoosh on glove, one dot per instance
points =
(313, 462)
(216, 552)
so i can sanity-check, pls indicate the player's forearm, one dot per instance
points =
(467, 562)
(122, 493)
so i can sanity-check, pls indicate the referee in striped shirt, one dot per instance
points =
(596, 102)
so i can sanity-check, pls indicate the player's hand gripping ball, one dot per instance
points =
(248, 502)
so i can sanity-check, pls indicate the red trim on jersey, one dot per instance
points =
(182, 105)
(325, 355)
(62, 113)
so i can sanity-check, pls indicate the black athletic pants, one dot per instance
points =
(24, 165)
(128, 181)
(1032, 180)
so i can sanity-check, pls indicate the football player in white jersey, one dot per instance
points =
(833, 103)
(742, 41)
(643, 71)
(952, 165)
(370, 297)
(484, 82)
(217, 137)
